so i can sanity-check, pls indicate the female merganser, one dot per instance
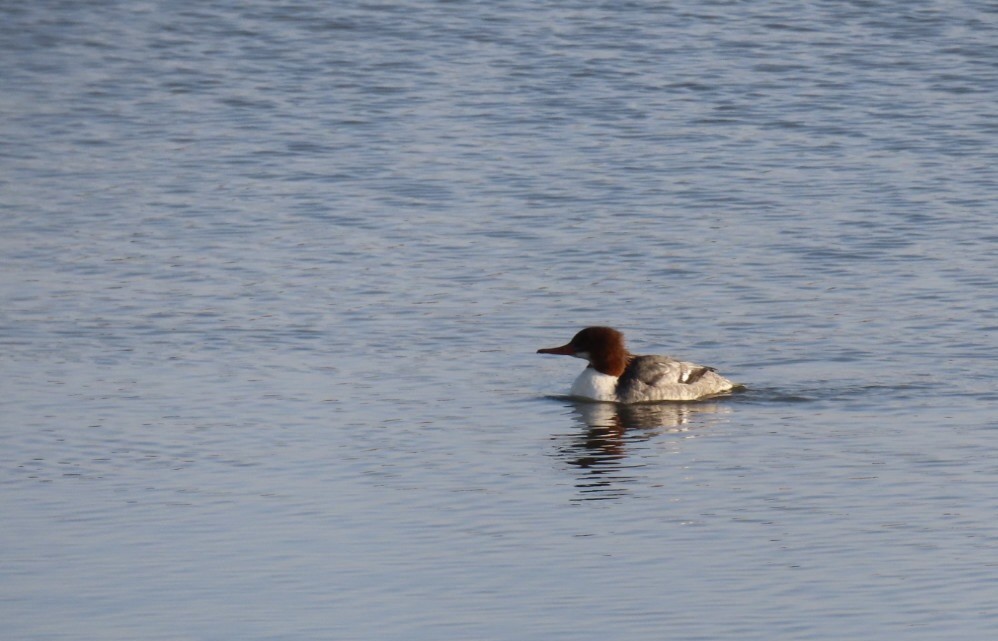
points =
(616, 375)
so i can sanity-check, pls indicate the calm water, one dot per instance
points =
(273, 276)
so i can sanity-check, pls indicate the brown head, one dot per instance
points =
(603, 347)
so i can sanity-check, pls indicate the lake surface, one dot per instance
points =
(273, 277)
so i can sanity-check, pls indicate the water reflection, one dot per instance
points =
(616, 438)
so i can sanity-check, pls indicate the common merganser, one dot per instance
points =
(617, 376)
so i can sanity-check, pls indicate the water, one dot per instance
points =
(274, 275)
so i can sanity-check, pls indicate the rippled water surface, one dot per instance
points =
(273, 276)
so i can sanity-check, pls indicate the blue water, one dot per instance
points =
(273, 277)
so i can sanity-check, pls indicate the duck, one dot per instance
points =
(617, 376)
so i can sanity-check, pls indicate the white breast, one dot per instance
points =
(595, 386)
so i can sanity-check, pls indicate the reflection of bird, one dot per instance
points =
(607, 428)
(616, 375)
(668, 417)
(608, 449)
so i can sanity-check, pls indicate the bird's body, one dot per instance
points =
(616, 375)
